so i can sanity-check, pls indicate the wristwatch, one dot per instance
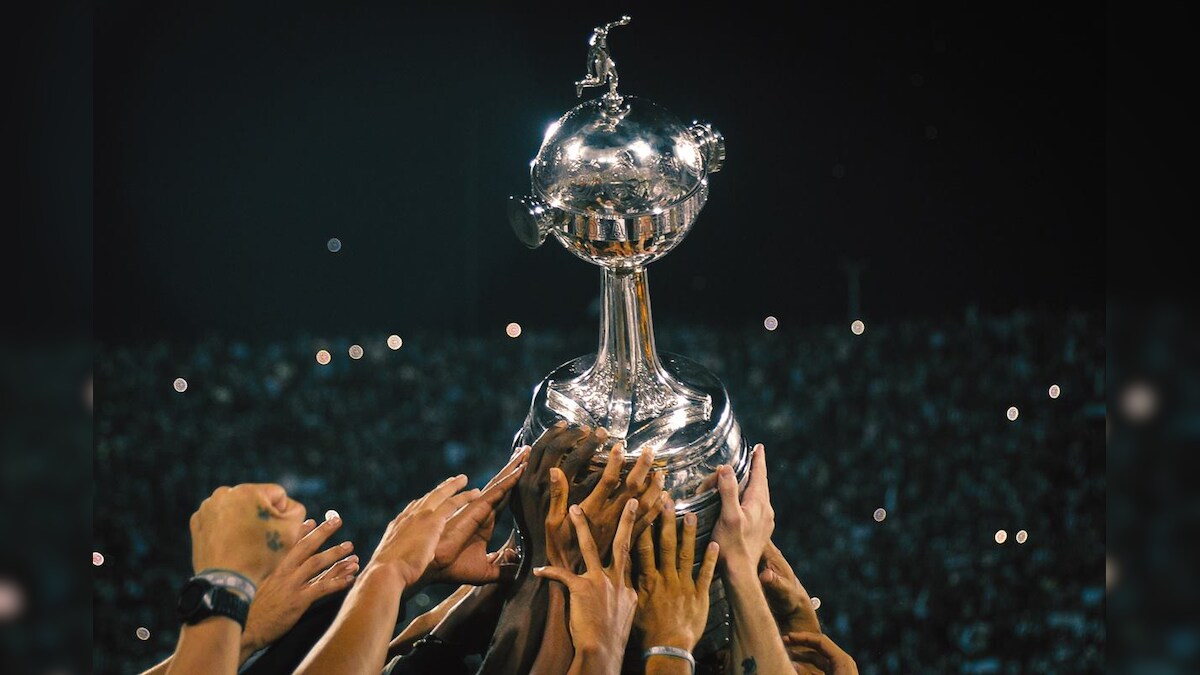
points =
(215, 593)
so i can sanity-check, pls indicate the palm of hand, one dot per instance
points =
(599, 609)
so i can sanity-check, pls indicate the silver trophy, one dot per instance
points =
(619, 181)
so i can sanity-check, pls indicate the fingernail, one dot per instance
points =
(538, 570)
(713, 546)
(759, 447)
(353, 558)
(631, 504)
(690, 519)
(310, 522)
(561, 424)
(353, 568)
(347, 545)
(575, 510)
(725, 471)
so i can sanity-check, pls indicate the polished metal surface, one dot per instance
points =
(619, 181)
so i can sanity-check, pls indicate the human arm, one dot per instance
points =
(672, 607)
(425, 623)
(743, 530)
(837, 661)
(791, 606)
(602, 600)
(242, 529)
(357, 640)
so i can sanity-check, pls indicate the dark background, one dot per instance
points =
(957, 152)
(233, 140)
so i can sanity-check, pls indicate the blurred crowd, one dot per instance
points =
(912, 418)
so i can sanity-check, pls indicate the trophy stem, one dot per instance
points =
(626, 341)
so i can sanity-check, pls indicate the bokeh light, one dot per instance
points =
(1139, 401)
(858, 327)
(323, 357)
(180, 384)
(12, 600)
(879, 515)
(1055, 391)
(816, 603)
(770, 323)
(142, 633)
(513, 330)
(334, 245)
(1022, 536)
(1012, 414)
(1001, 536)
(356, 352)
(331, 514)
(394, 342)
(97, 558)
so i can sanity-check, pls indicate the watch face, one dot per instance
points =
(191, 597)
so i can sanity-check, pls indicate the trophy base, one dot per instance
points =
(688, 447)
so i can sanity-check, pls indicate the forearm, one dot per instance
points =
(556, 653)
(244, 653)
(598, 661)
(357, 641)
(756, 646)
(424, 624)
(210, 646)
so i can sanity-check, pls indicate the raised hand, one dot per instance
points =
(602, 599)
(835, 660)
(745, 525)
(247, 528)
(533, 488)
(672, 608)
(411, 539)
(603, 506)
(461, 555)
(304, 576)
(789, 601)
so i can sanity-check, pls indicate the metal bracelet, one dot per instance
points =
(673, 652)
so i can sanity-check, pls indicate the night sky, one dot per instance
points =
(957, 153)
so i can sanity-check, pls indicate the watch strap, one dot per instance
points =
(228, 604)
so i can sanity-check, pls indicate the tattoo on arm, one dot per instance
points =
(274, 544)
(749, 667)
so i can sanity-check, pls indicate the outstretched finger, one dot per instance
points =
(310, 543)
(559, 574)
(645, 549)
(581, 455)
(668, 562)
(559, 492)
(609, 480)
(728, 487)
(347, 565)
(820, 642)
(635, 482)
(621, 542)
(455, 502)
(650, 514)
(446, 489)
(707, 567)
(327, 586)
(323, 560)
(687, 547)
(583, 534)
(521, 456)
(758, 474)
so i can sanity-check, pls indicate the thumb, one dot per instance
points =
(563, 576)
